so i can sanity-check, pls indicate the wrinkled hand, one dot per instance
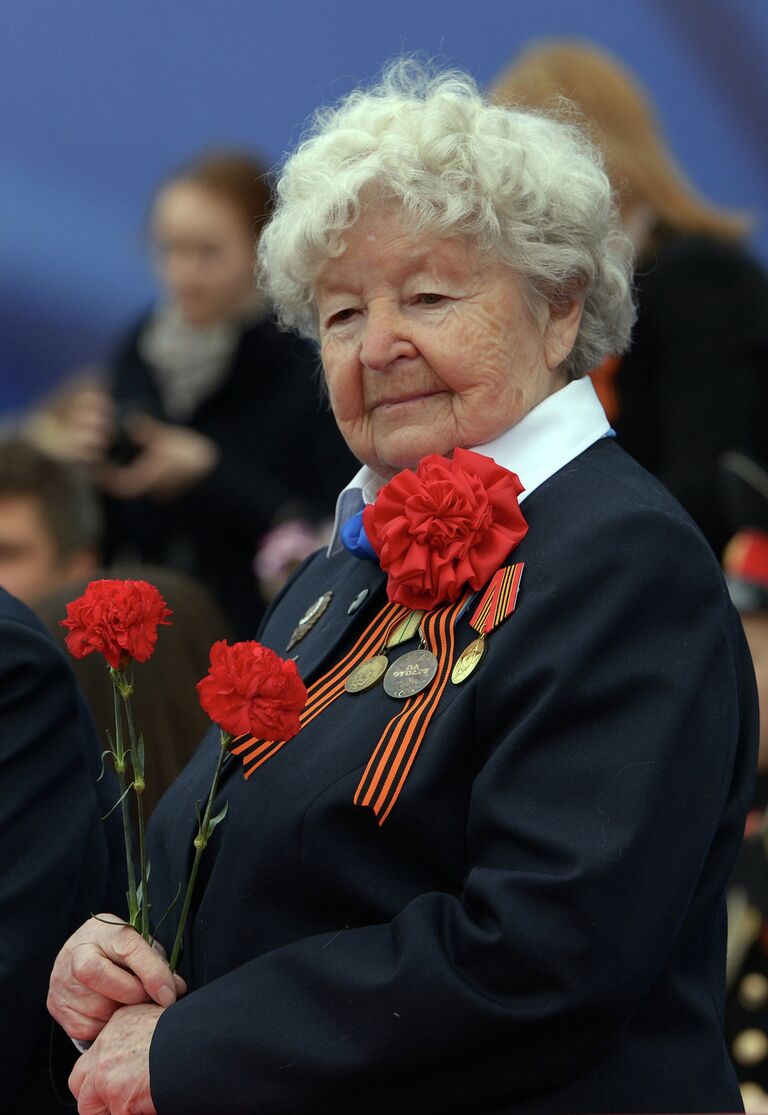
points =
(113, 1075)
(171, 460)
(103, 967)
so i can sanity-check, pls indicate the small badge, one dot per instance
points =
(309, 619)
(359, 599)
(411, 673)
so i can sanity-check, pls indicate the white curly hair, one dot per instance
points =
(529, 190)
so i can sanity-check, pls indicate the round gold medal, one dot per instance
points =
(468, 661)
(366, 674)
(411, 673)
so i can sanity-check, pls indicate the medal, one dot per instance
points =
(468, 660)
(309, 619)
(369, 672)
(411, 673)
(497, 602)
(366, 674)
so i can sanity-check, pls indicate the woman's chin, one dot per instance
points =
(405, 449)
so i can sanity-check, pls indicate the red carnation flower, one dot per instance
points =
(118, 619)
(250, 690)
(448, 525)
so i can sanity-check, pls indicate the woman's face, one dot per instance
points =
(428, 346)
(204, 252)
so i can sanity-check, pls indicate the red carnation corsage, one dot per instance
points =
(445, 527)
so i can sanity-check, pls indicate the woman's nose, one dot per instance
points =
(385, 338)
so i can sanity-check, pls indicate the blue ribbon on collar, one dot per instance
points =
(354, 538)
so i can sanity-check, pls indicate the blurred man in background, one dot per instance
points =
(50, 523)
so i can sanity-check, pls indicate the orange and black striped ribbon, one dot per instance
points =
(394, 754)
(499, 599)
(393, 757)
(326, 689)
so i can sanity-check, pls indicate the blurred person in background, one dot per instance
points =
(745, 485)
(50, 528)
(50, 522)
(195, 442)
(695, 381)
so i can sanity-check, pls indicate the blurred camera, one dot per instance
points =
(123, 449)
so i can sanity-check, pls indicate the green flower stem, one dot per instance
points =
(119, 758)
(126, 691)
(204, 831)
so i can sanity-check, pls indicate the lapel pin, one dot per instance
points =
(309, 619)
(357, 602)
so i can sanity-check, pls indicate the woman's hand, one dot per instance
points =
(79, 425)
(103, 966)
(171, 459)
(113, 1075)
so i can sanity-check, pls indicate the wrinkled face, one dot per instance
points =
(204, 252)
(30, 563)
(427, 346)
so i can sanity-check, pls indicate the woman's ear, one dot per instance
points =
(561, 330)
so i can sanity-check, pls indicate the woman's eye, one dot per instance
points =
(428, 298)
(341, 315)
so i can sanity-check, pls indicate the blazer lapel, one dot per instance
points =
(351, 583)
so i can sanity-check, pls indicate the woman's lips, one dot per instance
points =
(402, 400)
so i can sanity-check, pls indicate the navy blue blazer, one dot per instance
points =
(56, 855)
(539, 925)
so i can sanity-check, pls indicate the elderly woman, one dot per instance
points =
(487, 874)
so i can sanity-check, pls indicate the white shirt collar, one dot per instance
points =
(539, 445)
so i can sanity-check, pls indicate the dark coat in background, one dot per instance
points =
(56, 854)
(539, 926)
(695, 382)
(280, 455)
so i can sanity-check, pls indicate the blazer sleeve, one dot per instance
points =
(53, 853)
(608, 718)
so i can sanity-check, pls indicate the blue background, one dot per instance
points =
(101, 99)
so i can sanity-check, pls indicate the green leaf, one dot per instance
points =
(214, 821)
(140, 894)
(103, 766)
(168, 908)
(133, 912)
(107, 921)
(118, 802)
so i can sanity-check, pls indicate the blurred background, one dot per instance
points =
(101, 100)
